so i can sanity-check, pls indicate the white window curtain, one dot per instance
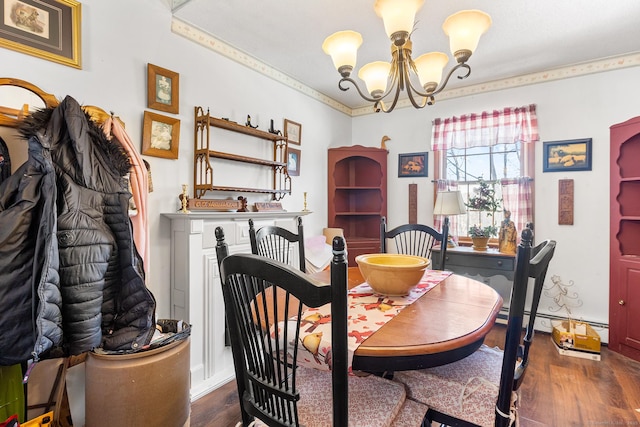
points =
(516, 198)
(485, 129)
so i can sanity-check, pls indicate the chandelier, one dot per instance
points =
(464, 29)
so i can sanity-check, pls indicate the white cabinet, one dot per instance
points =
(196, 293)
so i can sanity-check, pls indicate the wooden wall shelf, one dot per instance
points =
(236, 127)
(245, 159)
(203, 154)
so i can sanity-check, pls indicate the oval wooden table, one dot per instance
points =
(446, 324)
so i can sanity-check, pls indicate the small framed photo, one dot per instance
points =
(163, 89)
(413, 165)
(293, 162)
(292, 131)
(48, 29)
(160, 136)
(567, 156)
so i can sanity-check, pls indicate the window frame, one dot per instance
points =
(527, 167)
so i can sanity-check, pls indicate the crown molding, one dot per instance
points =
(210, 42)
(602, 65)
(207, 40)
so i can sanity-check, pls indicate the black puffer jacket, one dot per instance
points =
(70, 276)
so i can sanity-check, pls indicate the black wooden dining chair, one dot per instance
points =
(481, 390)
(264, 300)
(415, 239)
(278, 243)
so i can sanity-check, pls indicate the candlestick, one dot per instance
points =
(304, 209)
(184, 199)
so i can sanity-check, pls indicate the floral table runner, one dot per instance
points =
(368, 311)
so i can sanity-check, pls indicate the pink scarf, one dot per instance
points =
(139, 188)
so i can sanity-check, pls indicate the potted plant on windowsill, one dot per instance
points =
(481, 235)
(484, 200)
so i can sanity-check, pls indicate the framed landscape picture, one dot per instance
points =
(413, 165)
(160, 136)
(48, 29)
(567, 156)
(163, 89)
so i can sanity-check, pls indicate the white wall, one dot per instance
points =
(581, 107)
(117, 47)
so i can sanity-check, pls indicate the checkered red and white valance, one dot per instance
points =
(485, 129)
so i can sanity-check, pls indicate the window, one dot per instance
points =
(495, 147)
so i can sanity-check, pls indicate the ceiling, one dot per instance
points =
(526, 36)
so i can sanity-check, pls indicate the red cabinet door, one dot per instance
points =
(624, 262)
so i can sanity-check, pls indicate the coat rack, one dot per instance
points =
(10, 116)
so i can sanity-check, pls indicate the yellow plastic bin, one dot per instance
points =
(44, 420)
(150, 388)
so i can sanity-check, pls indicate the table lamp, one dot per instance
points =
(449, 203)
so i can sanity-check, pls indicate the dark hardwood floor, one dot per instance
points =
(558, 391)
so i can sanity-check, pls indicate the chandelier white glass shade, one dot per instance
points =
(381, 79)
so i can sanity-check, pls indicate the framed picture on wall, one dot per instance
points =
(293, 161)
(163, 89)
(413, 165)
(293, 132)
(48, 29)
(567, 156)
(160, 136)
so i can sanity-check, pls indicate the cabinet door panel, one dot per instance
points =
(631, 298)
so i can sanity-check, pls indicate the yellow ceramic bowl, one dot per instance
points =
(392, 274)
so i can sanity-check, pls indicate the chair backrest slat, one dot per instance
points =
(530, 263)
(279, 243)
(414, 239)
(264, 299)
(540, 258)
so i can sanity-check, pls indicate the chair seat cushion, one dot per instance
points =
(466, 389)
(411, 414)
(373, 401)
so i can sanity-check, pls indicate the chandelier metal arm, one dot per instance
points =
(411, 90)
(378, 102)
(397, 81)
(429, 97)
(426, 99)
(379, 105)
(355, 84)
(446, 80)
(401, 80)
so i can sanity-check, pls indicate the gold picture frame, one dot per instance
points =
(163, 89)
(292, 132)
(160, 136)
(47, 29)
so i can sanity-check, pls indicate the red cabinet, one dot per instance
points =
(357, 189)
(624, 293)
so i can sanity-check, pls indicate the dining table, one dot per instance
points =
(445, 324)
